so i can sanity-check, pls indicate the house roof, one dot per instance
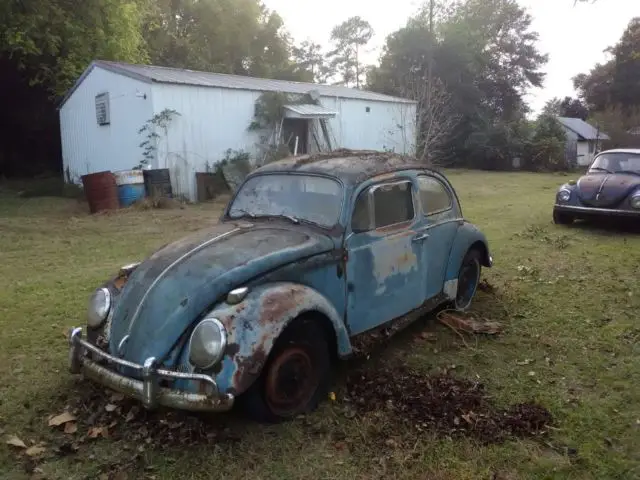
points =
(155, 74)
(582, 128)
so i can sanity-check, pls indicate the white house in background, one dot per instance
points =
(101, 115)
(583, 140)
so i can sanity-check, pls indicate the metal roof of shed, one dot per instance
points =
(151, 73)
(582, 128)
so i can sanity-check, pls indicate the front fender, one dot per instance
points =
(468, 236)
(254, 324)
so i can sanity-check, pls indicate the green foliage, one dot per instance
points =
(566, 107)
(228, 36)
(614, 84)
(311, 62)
(546, 150)
(55, 40)
(485, 56)
(618, 124)
(160, 121)
(349, 37)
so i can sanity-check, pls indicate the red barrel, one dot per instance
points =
(101, 191)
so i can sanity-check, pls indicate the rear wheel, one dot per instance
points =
(296, 378)
(468, 279)
(560, 218)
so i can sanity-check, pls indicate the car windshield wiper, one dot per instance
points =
(601, 169)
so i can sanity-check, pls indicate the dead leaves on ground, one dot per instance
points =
(61, 419)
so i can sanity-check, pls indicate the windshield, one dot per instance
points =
(297, 197)
(616, 163)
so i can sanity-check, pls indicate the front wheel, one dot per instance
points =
(468, 279)
(560, 218)
(297, 376)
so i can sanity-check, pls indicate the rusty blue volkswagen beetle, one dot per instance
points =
(311, 254)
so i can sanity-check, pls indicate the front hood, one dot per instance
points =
(176, 284)
(606, 190)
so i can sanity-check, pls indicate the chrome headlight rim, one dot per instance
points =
(563, 195)
(95, 317)
(635, 201)
(223, 342)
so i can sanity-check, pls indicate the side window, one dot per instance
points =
(434, 196)
(392, 204)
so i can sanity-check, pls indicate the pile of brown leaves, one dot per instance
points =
(442, 404)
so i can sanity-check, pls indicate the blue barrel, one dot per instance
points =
(130, 186)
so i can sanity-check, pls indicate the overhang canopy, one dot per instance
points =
(308, 110)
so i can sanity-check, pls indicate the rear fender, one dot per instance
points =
(254, 325)
(467, 237)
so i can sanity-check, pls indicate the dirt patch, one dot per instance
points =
(441, 404)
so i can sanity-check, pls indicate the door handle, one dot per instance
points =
(420, 237)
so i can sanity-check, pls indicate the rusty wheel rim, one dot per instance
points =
(291, 382)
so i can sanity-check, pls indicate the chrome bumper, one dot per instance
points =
(587, 211)
(147, 390)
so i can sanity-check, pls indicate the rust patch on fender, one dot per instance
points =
(278, 302)
(248, 370)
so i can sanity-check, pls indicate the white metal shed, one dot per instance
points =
(102, 114)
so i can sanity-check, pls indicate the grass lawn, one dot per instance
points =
(568, 298)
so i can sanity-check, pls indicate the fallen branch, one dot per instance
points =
(455, 321)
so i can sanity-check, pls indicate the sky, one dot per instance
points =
(574, 37)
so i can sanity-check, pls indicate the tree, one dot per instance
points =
(53, 41)
(614, 83)
(309, 58)
(349, 37)
(229, 36)
(547, 148)
(485, 56)
(566, 107)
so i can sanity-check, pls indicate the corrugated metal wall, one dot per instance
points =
(88, 147)
(213, 120)
(363, 124)
(210, 121)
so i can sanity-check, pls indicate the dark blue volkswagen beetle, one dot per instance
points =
(610, 188)
(311, 254)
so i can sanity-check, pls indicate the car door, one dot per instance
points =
(442, 218)
(384, 270)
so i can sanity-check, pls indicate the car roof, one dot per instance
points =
(622, 150)
(350, 166)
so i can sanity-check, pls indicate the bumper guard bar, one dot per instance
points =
(147, 390)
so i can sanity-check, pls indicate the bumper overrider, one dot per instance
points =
(593, 211)
(148, 390)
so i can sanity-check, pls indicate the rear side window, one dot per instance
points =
(434, 195)
(392, 203)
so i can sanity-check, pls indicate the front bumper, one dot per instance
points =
(593, 211)
(147, 390)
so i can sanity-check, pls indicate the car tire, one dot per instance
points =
(560, 218)
(277, 396)
(468, 279)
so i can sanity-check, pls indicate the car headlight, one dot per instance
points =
(207, 343)
(99, 306)
(635, 201)
(564, 195)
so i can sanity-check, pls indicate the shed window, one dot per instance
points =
(434, 196)
(103, 116)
